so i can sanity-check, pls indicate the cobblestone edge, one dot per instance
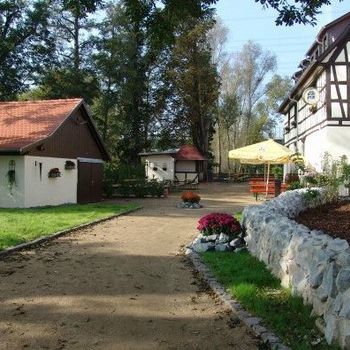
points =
(44, 239)
(254, 323)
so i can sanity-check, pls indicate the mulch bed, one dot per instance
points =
(332, 218)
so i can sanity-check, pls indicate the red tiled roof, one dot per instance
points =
(25, 122)
(189, 152)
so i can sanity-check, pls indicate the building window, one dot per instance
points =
(40, 171)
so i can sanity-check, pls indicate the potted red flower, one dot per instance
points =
(216, 223)
(190, 196)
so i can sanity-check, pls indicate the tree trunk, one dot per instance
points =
(76, 57)
(219, 144)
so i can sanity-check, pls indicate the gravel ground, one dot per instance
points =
(122, 284)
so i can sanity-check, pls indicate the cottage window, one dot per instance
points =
(40, 171)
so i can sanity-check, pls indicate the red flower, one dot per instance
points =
(190, 196)
(215, 223)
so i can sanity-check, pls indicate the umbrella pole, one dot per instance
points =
(268, 177)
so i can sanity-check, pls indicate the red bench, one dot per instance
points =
(259, 187)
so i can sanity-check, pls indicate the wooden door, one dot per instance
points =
(89, 182)
(96, 182)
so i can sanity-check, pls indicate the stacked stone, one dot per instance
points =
(219, 243)
(315, 265)
(189, 205)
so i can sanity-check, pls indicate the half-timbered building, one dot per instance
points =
(324, 126)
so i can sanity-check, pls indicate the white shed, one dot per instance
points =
(183, 164)
(50, 154)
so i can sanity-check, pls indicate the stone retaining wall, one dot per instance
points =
(315, 265)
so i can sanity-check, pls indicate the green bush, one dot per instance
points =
(291, 177)
(140, 188)
(294, 185)
(116, 173)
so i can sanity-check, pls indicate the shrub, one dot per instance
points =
(215, 223)
(116, 173)
(294, 185)
(140, 188)
(190, 196)
(292, 177)
(313, 197)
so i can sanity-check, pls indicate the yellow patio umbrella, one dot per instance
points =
(266, 152)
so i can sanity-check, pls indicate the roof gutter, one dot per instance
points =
(10, 152)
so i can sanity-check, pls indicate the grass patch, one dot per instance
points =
(249, 281)
(23, 225)
(238, 215)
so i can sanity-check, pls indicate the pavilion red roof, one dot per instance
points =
(189, 152)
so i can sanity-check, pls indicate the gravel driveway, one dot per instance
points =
(123, 284)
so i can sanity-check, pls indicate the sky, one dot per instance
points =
(247, 20)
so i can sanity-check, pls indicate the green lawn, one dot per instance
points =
(238, 215)
(22, 225)
(249, 281)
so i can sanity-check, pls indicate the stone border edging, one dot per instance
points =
(55, 235)
(254, 323)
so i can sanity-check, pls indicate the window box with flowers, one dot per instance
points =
(69, 165)
(54, 172)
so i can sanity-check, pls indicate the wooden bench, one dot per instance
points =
(253, 180)
(259, 187)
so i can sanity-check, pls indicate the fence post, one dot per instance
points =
(277, 187)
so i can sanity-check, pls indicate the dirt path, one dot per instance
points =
(119, 285)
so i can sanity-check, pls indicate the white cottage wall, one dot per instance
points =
(159, 161)
(185, 166)
(12, 197)
(316, 144)
(40, 190)
(338, 141)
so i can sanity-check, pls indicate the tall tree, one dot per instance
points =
(70, 73)
(132, 60)
(251, 67)
(23, 32)
(71, 23)
(300, 11)
(125, 61)
(195, 81)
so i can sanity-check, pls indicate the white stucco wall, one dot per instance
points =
(315, 146)
(42, 190)
(186, 166)
(338, 141)
(159, 161)
(307, 121)
(331, 139)
(12, 197)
